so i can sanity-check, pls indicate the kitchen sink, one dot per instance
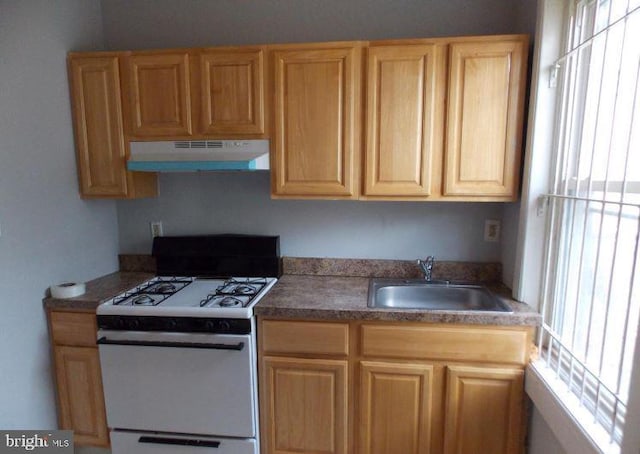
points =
(433, 296)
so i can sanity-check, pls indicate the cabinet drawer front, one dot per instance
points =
(444, 343)
(305, 337)
(73, 328)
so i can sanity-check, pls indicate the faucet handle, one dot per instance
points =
(427, 265)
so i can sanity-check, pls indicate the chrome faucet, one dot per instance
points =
(427, 265)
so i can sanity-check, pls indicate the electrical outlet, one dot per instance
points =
(156, 228)
(492, 230)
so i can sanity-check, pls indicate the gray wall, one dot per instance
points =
(214, 203)
(240, 203)
(49, 235)
(169, 23)
(541, 438)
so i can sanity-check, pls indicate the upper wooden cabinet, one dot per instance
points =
(404, 111)
(159, 92)
(442, 120)
(316, 107)
(97, 116)
(196, 93)
(232, 91)
(418, 119)
(484, 118)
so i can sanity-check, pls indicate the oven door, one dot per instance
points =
(179, 382)
(151, 443)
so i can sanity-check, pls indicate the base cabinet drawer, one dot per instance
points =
(294, 337)
(446, 343)
(154, 443)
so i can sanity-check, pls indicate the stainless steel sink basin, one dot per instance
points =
(420, 294)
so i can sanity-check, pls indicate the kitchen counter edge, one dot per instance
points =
(98, 290)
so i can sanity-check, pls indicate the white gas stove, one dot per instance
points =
(180, 296)
(178, 352)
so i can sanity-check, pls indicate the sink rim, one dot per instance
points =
(377, 283)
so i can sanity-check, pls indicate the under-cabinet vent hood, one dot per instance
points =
(199, 155)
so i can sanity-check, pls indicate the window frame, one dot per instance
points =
(571, 430)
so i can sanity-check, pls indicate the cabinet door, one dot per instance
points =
(232, 92)
(483, 410)
(316, 115)
(304, 405)
(405, 92)
(159, 95)
(97, 111)
(80, 399)
(484, 119)
(396, 405)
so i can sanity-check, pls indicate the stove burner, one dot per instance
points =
(143, 300)
(230, 301)
(164, 287)
(246, 287)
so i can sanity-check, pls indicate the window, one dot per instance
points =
(591, 292)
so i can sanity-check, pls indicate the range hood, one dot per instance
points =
(199, 155)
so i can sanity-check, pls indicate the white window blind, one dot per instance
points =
(591, 293)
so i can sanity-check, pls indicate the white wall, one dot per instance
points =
(48, 234)
(198, 203)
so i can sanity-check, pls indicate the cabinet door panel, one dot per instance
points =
(396, 402)
(403, 111)
(159, 91)
(316, 97)
(484, 410)
(81, 404)
(484, 121)
(306, 405)
(232, 92)
(95, 90)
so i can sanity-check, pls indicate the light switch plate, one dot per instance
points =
(492, 230)
(156, 228)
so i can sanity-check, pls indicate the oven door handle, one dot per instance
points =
(195, 442)
(104, 341)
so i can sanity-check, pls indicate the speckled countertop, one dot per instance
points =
(345, 298)
(329, 289)
(99, 290)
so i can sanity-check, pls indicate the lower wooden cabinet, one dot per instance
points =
(380, 397)
(78, 377)
(306, 405)
(398, 405)
(484, 410)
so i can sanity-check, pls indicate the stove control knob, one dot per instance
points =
(134, 323)
(224, 326)
(120, 323)
(172, 323)
(210, 326)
